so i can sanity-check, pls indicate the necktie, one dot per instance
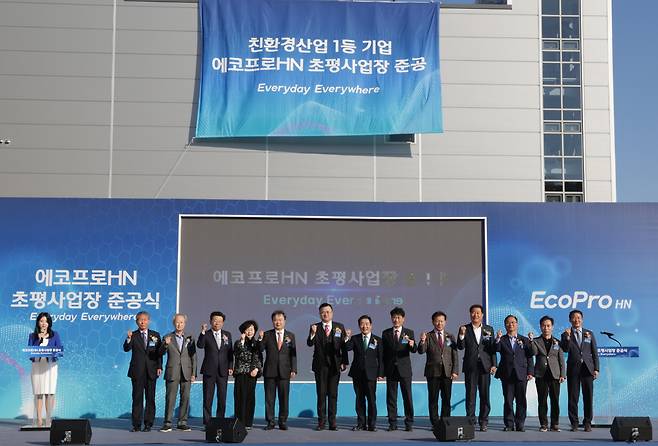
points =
(326, 330)
(578, 338)
(397, 335)
(145, 337)
(179, 341)
(513, 343)
(440, 336)
(218, 340)
(365, 343)
(279, 340)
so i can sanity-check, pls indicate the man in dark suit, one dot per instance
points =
(515, 369)
(398, 343)
(280, 367)
(328, 340)
(582, 369)
(441, 365)
(217, 363)
(477, 341)
(145, 367)
(549, 373)
(367, 367)
(179, 372)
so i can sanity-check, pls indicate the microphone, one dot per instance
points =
(607, 333)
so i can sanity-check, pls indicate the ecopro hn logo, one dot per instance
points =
(577, 300)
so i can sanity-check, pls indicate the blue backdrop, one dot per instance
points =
(308, 68)
(542, 259)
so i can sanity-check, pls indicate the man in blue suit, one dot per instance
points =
(515, 369)
(217, 363)
(582, 369)
(145, 368)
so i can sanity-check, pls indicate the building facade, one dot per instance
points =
(98, 99)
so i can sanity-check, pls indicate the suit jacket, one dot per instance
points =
(328, 351)
(179, 362)
(145, 359)
(370, 360)
(279, 363)
(584, 354)
(397, 356)
(552, 360)
(216, 361)
(440, 361)
(485, 351)
(515, 362)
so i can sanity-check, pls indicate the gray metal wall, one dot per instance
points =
(62, 62)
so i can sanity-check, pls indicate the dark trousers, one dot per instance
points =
(478, 381)
(143, 387)
(326, 388)
(580, 378)
(365, 391)
(272, 386)
(514, 389)
(438, 386)
(548, 386)
(173, 387)
(209, 385)
(244, 398)
(392, 400)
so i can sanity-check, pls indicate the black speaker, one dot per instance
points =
(454, 428)
(631, 429)
(70, 431)
(225, 430)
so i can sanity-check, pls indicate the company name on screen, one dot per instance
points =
(579, 299)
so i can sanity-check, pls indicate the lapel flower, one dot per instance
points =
(287, 340)
(519, 341)
(154, 338)
(586, 334)
(374, 341)
(554, 341)
(338, 330)
(486, 332)
(225, 338)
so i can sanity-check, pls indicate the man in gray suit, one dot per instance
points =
(550, 372)
(441, 365)
(180, 372)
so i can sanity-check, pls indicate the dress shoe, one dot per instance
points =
(587, 427)
(269, 426)
(358, 428)
(184, 428)
(372, 429)
(283, 427)
(555, 428)
(483, 427)
(520, 428)
(543, 429)
(333, 427)
(320, 427)
(508, 429)
(135, 429)
(392, 427)
(146, 429)
(409, 428)
(574, 428)
(166, 428)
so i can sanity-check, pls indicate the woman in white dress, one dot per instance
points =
(44, 368)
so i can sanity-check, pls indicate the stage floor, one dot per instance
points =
(116, 432)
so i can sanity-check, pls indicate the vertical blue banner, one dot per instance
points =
(313, 68)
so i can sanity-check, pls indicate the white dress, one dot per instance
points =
(44, 374)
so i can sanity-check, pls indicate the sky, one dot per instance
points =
(635, 61)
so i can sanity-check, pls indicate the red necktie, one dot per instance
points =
(397, 335)
(279, 341)
(326, 330)
(440, 339)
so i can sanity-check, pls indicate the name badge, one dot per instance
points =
(448, 343)
(372, 346)
(151, 344)
(337, 334)
(556, 347)
(587, 340)
(404, 341)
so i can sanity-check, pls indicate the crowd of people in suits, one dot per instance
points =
(511, 357)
